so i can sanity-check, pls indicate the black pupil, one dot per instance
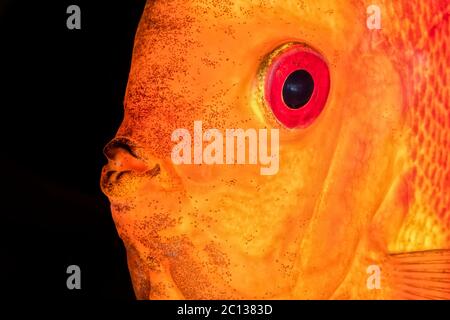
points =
(297, 89)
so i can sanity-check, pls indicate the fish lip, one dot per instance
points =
(112, 180)
(126, 143)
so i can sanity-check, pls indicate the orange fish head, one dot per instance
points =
(225, 230)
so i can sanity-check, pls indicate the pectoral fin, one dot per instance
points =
(420, 275)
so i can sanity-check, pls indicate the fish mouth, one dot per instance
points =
(115, 183)
(127, 168)
(126, 144)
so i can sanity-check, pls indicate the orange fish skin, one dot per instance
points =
(369, 178)
(421, 40)
(416, 38)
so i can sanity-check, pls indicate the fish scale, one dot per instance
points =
(418, 35)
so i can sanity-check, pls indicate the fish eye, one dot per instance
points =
(297, 89)
(297, 83)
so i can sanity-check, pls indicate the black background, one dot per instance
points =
(61, 95)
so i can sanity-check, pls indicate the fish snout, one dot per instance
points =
(125, 166)
(123, 156)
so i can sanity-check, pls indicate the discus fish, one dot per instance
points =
(360, 205)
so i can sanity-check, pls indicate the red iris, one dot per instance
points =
(297, 86)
